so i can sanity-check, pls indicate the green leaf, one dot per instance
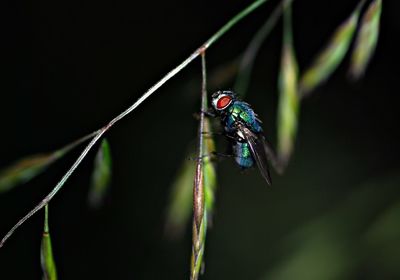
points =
(101, 176)
(25, 169)
(180, 204)
(367, 39)
(288, 107)
(46, 253)
(329, 59)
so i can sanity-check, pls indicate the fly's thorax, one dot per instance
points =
(234, 110)
(233, 113)
(241, 112)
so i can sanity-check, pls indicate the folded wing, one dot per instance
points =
(258, 151)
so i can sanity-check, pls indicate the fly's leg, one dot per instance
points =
(211, 134)
(213, 155)
(222, 155)
(209, 113)
(230, 137)
(202, 157)
(206, 113)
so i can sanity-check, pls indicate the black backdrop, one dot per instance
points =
(71, 66)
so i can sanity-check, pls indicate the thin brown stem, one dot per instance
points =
(199, 223)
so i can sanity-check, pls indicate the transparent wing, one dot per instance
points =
(258, 151)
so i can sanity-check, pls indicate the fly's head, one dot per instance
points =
(221, 100)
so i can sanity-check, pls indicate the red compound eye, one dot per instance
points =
(223, 102)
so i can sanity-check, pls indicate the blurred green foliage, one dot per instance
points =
(101, 176)
(25, 169)
(289, 100)
(364, 228)
(332, 55)
(317, 222)
(367, 39)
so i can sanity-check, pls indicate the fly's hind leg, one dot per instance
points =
(222, 155)
(213, 155)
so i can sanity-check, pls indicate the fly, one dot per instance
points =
(243, 129)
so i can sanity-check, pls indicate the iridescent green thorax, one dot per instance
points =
(240, 111)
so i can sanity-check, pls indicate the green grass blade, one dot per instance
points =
(249, 55)
(198, 247)
(288, 107)
(180, 203)
(101, 176)
(46, 253)
(367, 39)
(25, 169)
(332, 55)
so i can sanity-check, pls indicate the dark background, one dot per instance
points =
(70, 66)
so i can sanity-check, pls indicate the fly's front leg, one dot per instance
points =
(208, 113)
(210, 134)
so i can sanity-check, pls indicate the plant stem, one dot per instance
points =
(287, 23)
(46, 219)
(99, 133)
(251, 51)
(199, 219)
(194, 55)
(59, 185)
(233, 21)
(46, 253)
(77, 142)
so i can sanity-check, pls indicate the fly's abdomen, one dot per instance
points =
(243, 155)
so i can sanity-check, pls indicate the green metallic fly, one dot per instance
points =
(243, 129)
